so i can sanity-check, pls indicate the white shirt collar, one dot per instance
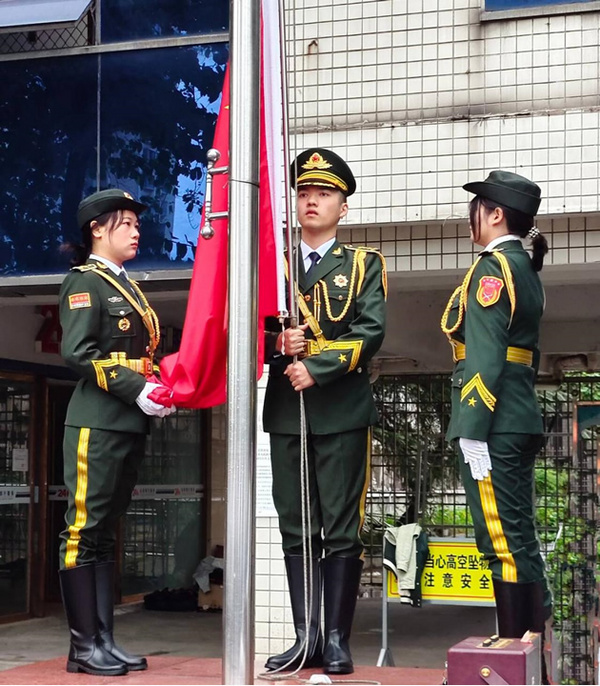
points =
(111, 265)
(501, 239)
(322, 249)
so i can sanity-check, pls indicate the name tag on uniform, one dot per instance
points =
(79, 300)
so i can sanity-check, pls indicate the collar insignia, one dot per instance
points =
(337, 251)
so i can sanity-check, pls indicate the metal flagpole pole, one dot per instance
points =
(238, 629)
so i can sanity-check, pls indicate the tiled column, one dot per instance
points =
(274, 626)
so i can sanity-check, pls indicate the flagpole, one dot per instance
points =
(238, 617)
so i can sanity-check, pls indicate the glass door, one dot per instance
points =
(15, 495)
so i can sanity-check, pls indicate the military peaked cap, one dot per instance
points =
(510, 190)
(321, 167)
(109, 200)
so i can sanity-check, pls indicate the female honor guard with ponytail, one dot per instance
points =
(492, 321)
(109, 336)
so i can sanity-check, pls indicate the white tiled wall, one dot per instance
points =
(274, 628)
(421, 97)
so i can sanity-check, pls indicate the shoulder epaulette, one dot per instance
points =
(364, 248)
(84, 267)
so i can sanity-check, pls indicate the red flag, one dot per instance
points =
(197, 374)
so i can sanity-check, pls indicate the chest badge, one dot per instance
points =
(124, 324)
(115, 299)
(340, 280)
(490, 288)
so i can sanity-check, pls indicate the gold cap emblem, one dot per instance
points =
(316, 161)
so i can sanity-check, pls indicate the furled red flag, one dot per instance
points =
(197, 374)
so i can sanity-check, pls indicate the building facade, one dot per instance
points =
(420, 97)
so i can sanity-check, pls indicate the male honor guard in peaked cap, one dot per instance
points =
(341, 293)
(110, 333)
(492, 321)
(320, 167)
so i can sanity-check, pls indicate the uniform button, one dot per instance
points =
(122, 312)
(460, 382)
(359, 370)
(307, 298)
(340, 297)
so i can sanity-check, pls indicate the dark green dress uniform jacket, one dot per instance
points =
(97, 320)
(346, 293)
(496, 314)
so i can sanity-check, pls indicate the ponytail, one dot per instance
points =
(539, 245)
(80, 251)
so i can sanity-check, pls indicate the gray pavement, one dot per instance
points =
(418, 637)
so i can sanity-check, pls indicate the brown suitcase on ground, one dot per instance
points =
(481, 660)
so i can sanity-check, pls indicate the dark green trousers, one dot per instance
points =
(100, 471)
(503, 510)
(339, 466)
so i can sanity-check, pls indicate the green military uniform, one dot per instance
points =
(342, 299)
(107, 330)
(345, 293)
(493, 400)
(492, 321)
(109, 335)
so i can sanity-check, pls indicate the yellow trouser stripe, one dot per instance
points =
(513, 354)
(80, 496)
(495, 530)
(363, 497)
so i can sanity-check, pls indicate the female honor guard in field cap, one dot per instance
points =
(493, 321)
(110, 333)
(341, 294)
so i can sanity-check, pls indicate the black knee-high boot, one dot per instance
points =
(86, 654)
(513, 608)
(294, 655)
(105, 594)
(341, 580)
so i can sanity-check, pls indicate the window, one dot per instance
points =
(497, 9)
(49, 155)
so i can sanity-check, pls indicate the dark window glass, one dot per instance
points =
(517, 4)
(158, 109)
(124, 20)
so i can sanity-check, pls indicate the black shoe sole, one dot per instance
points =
(332, 669)
(75, 668)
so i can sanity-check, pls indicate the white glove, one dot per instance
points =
(477, 456)
(148, 406)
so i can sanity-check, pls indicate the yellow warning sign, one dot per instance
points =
(455, 573)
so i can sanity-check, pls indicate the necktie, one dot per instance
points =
(125, 281)
(314, 257)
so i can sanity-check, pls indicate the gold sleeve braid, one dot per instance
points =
(510, 283)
